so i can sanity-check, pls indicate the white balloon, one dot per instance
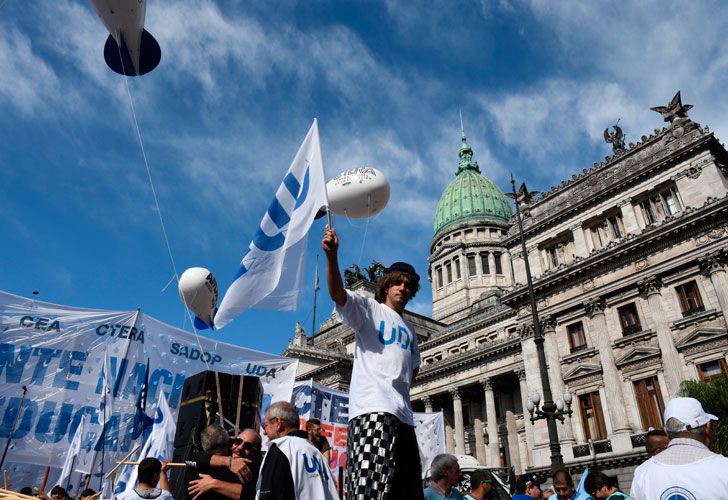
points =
(198, 289)
(358, 192)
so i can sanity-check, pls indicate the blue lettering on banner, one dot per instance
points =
(42, 324)
(45, 356)
(70, 363)
(308, 399)
(195, 354)
(13, 365)
(121, 331)
(28, 411)
(42, 428)
(260, 371)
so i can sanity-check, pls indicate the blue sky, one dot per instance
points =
(237, 88)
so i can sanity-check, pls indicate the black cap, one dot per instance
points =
(404, 268)
(526, 480)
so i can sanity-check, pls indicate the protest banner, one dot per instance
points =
(60, 354)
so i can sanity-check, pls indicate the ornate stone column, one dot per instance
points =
(513, 450)
(629, 217)
(526, 459)
(428, 403)
(457, 405)
(580, 247)
(509, 271)
(534, 260)
(650, 289)
(713, 266)
(491, 264)
(548, 327)
(492, 424)
(478, 429)
(449, 433)
(599, 336)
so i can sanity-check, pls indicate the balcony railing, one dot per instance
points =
(578, 348)
(693, 311)
(631, 330)
(638, 439)
(582, 450)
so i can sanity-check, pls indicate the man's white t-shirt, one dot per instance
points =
(385, 356)
(154, 493)
(702, 479)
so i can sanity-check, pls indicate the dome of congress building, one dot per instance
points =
(470, 197)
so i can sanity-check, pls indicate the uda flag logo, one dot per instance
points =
(270, 274)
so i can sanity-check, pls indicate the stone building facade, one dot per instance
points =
(629, 262)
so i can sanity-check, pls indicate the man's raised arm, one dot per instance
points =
(330, 244)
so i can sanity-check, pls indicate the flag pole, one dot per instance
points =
(329, 217)
(15, 424)
(315, 293)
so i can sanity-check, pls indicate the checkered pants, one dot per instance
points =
(382, 459)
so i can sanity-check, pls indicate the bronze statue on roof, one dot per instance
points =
(616, 139)
(675, 110)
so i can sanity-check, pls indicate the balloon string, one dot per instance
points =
(348, 219)
(366, 228)
(168, 283)
(156, 200)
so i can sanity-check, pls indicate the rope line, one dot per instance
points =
(366, 228)
(156, 201)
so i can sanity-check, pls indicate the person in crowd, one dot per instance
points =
(481, 485)
(527, 487)
(444, 477)
(87, 494)
(293, 469)
(247, 445)
(548, 493)
(244, 461)
(216, 481)
(603, 487)
(59, 493)
(150, 473)
(563, 485)
(316, 437)
(27, 490)
(686, 468)
(656, 441)
(381, 435)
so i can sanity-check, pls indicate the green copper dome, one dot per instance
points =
(471, 196)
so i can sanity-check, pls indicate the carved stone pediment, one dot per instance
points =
(582, 370)
(637, 355)
(701, 338)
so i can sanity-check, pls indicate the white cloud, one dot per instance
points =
(556, 115)
(650, 48)
(28, 83)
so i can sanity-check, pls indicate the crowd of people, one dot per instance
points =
(383, 460)
(680, 466)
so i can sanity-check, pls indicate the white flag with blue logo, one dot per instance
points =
(159, 445)
(73, 451)
(271, 272)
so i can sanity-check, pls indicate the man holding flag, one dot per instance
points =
(383, 459)
(271, 272)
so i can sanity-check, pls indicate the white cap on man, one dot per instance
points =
(689, 411)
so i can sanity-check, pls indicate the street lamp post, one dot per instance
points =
(550, 411)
